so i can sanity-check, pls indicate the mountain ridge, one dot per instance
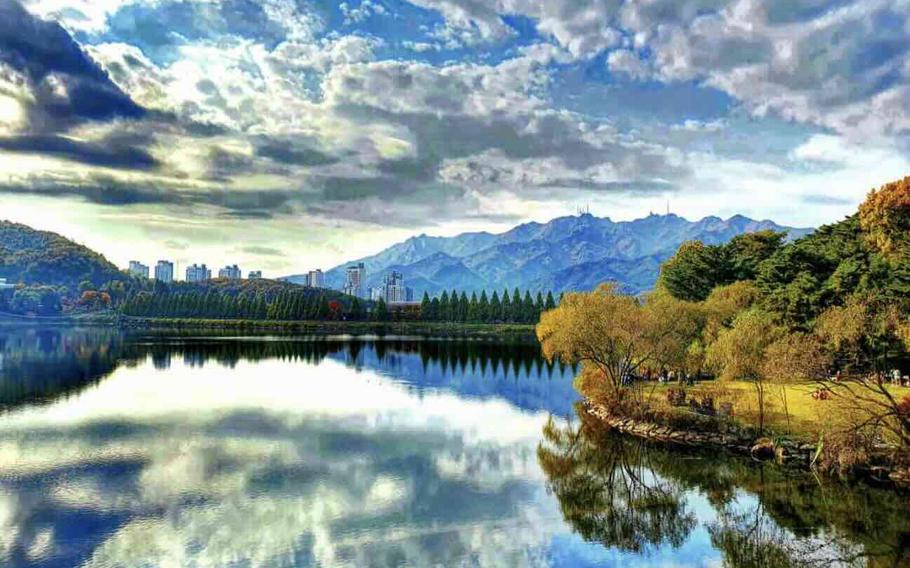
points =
(565, 253)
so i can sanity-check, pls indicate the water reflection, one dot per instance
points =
(636, 497)
(124, 450)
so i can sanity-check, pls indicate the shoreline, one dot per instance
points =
(430, 329)
(784, 451)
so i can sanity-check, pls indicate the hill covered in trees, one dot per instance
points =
(32, 257)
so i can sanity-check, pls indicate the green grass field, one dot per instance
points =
(789, 408)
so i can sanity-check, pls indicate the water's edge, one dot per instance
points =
(790, 453)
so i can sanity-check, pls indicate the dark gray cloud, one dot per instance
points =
(112, 154)
(66, 84)
(291, 152)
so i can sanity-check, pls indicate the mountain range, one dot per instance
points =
(567, 253)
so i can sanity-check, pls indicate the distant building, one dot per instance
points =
(231, 272)
(315, 279)
(138, 269)
(255, 275)
(164, 271)
(393, 290)
(354, 280)
(198, 273)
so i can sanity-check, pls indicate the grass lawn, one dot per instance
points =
(807, 416)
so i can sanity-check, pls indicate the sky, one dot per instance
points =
(285, 135)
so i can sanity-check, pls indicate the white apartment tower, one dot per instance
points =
(164, 271)
(138, 270)
(354, 280)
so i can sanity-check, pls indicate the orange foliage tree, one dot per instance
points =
(885, 217)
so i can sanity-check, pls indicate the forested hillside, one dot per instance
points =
(29, 256)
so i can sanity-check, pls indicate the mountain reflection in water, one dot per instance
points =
(138, 449)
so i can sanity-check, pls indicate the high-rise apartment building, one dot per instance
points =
(198, 273)
(315, 279)
(164, 271)
(138, 270)
(231, 272)
(355, 280)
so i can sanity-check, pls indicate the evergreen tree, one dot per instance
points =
(381, 311)
(435, 309)
(527, 308)
(506, 314)
(473, 315)
(516, 315)
(425, 308)
(550, 303)
(463, 304)
(356, 312)
(483, 307)
(453, 306)
(444, 309)
(494, 312)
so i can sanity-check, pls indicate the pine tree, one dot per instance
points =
(549, 304)
(425, 307)
(483, 307)
(453, 306)
(444, 309)
(463, 304)
(356, 312)
(381, 312)
(472, 313)
(527, 308)
(516, 307)
(435, 309)
(494, 312)
(506, 313)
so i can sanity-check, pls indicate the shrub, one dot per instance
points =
(903, 408)
(676, 397)
(706, 406)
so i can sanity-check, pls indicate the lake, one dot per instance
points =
(141, 449)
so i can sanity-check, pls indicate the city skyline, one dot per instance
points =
(350, 126)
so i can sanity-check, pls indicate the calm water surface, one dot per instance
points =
(123, 450)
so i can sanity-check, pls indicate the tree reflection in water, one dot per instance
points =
(608, 492)
(634, 496)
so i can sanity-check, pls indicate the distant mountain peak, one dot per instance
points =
(566, 253)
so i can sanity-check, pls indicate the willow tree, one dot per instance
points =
(738, 353)
(615, 335)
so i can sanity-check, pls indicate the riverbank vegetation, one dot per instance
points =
(790, 334)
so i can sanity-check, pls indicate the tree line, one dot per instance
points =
(210, 303)
(459, 307)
